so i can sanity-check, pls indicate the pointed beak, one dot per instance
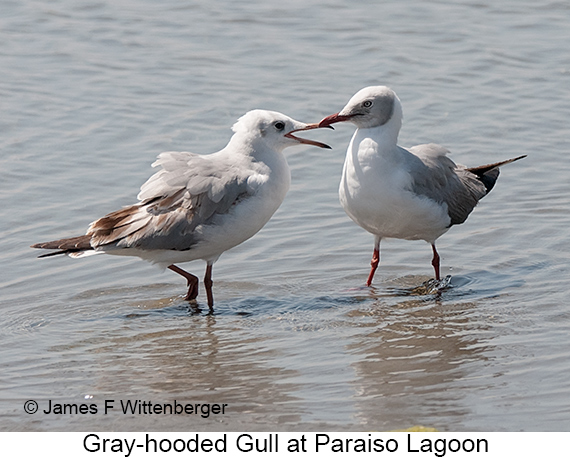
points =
(334, 118)
(304, 140)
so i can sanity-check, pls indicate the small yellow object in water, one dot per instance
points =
(417, 428)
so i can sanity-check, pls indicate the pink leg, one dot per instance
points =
(192, 282)
(435, 262)
(208, 284)
(375, 261)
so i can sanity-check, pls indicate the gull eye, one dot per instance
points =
(367, 103)
(279, 125)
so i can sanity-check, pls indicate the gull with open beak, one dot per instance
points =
(392, 192)
(198, 206)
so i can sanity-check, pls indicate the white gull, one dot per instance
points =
(392, 192)
(198, 206)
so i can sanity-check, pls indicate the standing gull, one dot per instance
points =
(198, 206)
(392, 192)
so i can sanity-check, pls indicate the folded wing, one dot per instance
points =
(440, 179)
(187, 192)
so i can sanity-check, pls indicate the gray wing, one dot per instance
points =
(440, 179)
(187, 192)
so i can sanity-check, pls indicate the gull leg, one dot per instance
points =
(192, 281)
(375, 260)
(435, 262)
(208, 284)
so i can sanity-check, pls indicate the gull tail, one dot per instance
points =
(74, 247)
(488, 174)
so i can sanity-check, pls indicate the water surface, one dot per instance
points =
(92, 91)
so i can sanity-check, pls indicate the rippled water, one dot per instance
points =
(92, 91)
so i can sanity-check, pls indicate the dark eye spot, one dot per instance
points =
(367, 103)
(279, 125)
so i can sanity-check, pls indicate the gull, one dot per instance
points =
(199, 206)
(393, 192)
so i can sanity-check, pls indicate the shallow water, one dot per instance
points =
(92, 91)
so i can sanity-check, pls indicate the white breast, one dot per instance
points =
(375, 191)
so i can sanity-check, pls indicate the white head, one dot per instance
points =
(370, 107)
(274, 129)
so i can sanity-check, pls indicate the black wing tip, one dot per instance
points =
(44, 246)
(51, 254)
(506, 162)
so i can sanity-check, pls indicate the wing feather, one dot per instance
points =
(187, 192)
(440, 179)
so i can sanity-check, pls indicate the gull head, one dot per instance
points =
(370, 107)
(274, 129)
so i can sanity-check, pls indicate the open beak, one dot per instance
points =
(305, 141)
(332, 119)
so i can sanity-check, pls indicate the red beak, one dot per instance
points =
(332, 119)
(304, 140)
